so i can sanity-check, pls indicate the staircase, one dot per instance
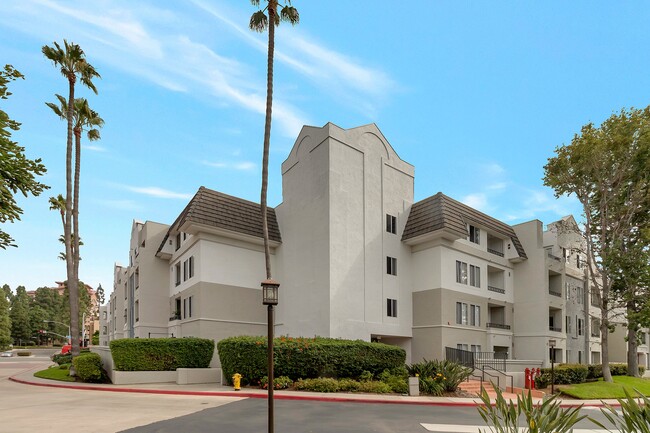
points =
(474, 387)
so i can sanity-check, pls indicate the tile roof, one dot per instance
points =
(440, 212)
(227, 212)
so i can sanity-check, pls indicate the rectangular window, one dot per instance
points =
(475, 315)
(185, 270)
(460, 346)
(391, 224)
(137, 311)
(578, 264)
(191, 266)
(461, 313)
(474, 276)
(581, 324)
(474, 234)
(461, 272)
(178, 241)
(391, 307)
(190, 305)
(567, 291)
(391, 265)
(580, 295)
(568, 324)
(185, 308)
(178, 273)
(476, 348)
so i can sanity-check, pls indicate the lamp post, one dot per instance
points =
(270, 298)
(551, 344)
(60, 323)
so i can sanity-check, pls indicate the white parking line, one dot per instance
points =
(459, 428)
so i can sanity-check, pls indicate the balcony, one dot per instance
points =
(496, 289)
(554, 293)
(497, 325)
(495, 252)
(554, 329)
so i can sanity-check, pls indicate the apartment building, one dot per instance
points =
(357, 258)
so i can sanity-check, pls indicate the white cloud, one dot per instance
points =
(476, 201)
(94, 148)
(154, 191)
(241, 165)
(128, 205)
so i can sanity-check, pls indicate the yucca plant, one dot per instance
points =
(634, 416)
(547, 417)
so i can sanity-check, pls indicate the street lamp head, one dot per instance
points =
(270, 292)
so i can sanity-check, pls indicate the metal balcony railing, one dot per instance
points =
(497, 325)
(496, 289)
(553, 328)
(554, 293)
(495, 252)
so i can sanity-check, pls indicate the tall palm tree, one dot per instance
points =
(260, 22)
(71, 60)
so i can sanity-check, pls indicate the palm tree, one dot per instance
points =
(260, 22)
(71, 60)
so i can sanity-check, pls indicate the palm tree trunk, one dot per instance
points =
(73, 288)
(75, 210)
(267, 135)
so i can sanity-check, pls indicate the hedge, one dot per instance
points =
(566, 374)
(161, 354)
(88, 367)
(305, 358)
(596, 370)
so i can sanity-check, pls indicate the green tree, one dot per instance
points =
(71, 60)
(100, 295)
(5, 321)
(20, 326)
(606, 169)
(95, 339)
(259, 22)
(8, 293)
(17, 172)
(52, 304)
(37, 316)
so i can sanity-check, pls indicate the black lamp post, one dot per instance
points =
(270, 298)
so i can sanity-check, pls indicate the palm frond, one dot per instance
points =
(259, 22)
(290, 14)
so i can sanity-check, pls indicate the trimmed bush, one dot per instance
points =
(323, 384)
(162, 354)
(24, 353)
(282, 382)
(307, 357)
(88, 367)
(565, 374)
(374, 387)
(596, 370)
(397, 383)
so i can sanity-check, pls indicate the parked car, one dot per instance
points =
(7, 354)
(66, 349)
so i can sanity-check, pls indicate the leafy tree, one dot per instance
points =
(36, 317)
(5, 320)
(606, 168)
(95, 339)
(84, 306)
(52, 304)
(17, 172)
(8, 293)
(20, 326)
(259, 22)
(71, 60)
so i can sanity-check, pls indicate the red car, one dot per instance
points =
(66, 349)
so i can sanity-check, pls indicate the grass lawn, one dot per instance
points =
(602, 390)
(55, 373)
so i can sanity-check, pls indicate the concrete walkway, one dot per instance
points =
(27, 377)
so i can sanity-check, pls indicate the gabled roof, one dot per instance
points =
(223, 211)
(440, 212)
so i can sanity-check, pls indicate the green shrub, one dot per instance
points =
(348, 385)
(88, 367)
(323, 384)
(162, 354)
(306, 357)
(431, 385)
(24, 353)
(596, 370)
(548, 417)
(397, 383)
(62, 359)
(449, 374)
(282, 382)
(374, 387)
(365, 376)
(565, 374)
(64, 367)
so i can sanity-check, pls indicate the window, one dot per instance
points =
(476, 348)
(189, 304)
(178, 273)
(461, 313)
(595, 327)
(460, 346)
(578, 264)
(580, 295)
(391, 224)
(474, 276)
(125, 290)
(188, 268)
(104, 315)
(474, 234)
(579, 356)
(137, 311)
(461, 272)
(184, 236)
(104, 330)
(581, 324)
(125, 315)
(568, 324)
(567, 291)
(178, 241)
(475, 315)
(185, 308)
(137, 278)
(185, 270)
(391, 265)
(191, 267)
(391, 307)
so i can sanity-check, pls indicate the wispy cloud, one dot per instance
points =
(94, 148)
(154, 191)
(127, 205)
(477, 201)
(239, 165)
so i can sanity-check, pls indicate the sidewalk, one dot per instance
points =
(27, 377)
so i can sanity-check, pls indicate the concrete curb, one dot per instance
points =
(338, 398)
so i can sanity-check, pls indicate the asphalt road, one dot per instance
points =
(328, 417)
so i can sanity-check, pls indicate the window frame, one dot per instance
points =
(391, 307)
(474, 234)
(391, 265)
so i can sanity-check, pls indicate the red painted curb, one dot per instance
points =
(337, 399)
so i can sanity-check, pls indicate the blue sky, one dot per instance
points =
(475, 94)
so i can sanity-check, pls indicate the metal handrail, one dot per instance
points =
(495, 252)
(491, 375)
(497, 325)
(496, 289)
(554, 293)
(512, 379)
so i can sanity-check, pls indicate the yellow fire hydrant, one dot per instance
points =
(236, 381)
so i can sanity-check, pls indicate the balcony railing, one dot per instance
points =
(556, 258)
(497, 325)
(554, 293)
(496, 289)
(554, 329)
(495, 252)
